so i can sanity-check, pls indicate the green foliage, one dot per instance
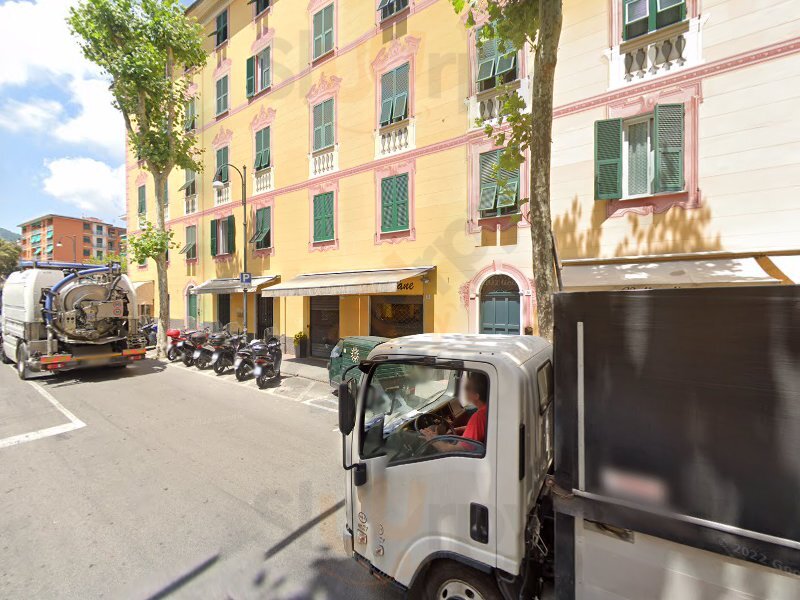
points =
(111, 258)
(147, 48)
(9, 256)
(149, 243)
(300, 338)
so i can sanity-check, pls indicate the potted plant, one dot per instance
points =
(300, 344)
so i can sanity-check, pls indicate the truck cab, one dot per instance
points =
(433, 503)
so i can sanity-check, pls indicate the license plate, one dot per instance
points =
(257, 370)
(197, 354)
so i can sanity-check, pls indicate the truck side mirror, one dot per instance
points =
(347, 406)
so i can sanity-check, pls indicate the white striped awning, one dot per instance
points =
(230, 285)
(342, 283)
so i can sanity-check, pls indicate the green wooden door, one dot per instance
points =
(500, 306)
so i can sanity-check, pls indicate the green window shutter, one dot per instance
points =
(318, 128)
(327, 27)
(266, 241)
(387, 204)
(251, 76)
(487, 58)
(265, 66)
(669, 136)
(323, 217)
(142, 200)
(608, 159)
(319, 48)
(401, 202)
(505, 62)
(213, 237)
(508, 188)
(231, 235)
(222, 165)
(327, 117)
(394, 203)
(387, 98)
(638, 135)
(401, 85)
(488, 166)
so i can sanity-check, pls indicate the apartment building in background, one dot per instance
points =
(374, 205)
(69, 239)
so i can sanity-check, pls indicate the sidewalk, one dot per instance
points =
(310, 368)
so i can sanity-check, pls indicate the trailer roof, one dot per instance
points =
(517, 348)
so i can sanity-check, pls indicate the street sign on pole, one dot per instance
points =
(246, 278)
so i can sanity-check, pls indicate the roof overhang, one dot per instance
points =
(343, 283)
(230, 285)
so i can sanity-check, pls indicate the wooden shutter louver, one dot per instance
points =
(669, 144)
(608, 159)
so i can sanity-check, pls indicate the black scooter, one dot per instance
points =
(205, 352)
(189, 346)
(224, 356)
(244, 362)
(267, 363)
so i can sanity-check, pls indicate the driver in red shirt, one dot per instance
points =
(475, 394)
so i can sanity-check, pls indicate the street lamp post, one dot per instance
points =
(74, 246)
(219, 184)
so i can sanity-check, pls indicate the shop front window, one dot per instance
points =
(395, 316)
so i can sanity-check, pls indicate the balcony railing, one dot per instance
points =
(323, 162)
(485, 106)
(262, 181)
(396, 138)
(222, 195)
(190, 204)
(658, 53)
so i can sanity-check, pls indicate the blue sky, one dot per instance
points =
(61, 142)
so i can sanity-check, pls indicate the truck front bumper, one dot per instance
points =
(347, 540)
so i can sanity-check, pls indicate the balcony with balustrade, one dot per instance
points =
(222, 195)
(484, 107)
(263, 181)
(396, 138)
(323, 161)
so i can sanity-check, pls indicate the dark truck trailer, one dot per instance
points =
(677, 464)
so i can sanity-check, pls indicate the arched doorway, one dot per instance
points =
(500, 306)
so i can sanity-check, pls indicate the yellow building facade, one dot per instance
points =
(370, 205)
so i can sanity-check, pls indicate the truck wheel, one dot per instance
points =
(22, 361)
(3, 356)
(454, 581)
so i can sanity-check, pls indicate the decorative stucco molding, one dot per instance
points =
(223, 68)
(262, 41)
(400, 51)
(222, 139)
(264, 118)
(141, 178)
(469, 293)
(325, 88)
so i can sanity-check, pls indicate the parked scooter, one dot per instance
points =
(243, 363)
(225, 355)
(175, 349)
(268, 363)
(150, 331)
(204, 352)
(189, 346)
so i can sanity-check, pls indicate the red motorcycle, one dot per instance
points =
(176, 337)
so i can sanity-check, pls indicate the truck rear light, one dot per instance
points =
(134, 352)
(56, 358)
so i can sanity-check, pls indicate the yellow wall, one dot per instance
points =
(748, 145)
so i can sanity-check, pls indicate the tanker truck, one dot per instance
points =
(62, 316)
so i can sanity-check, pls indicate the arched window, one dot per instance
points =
(500, 306)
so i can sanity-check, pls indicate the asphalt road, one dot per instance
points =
(153, 482)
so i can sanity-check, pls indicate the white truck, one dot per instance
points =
(59, 317)
(655, 455)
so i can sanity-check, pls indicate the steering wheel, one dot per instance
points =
(436, 420)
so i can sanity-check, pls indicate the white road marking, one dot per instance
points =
(74, 422)
(313, 401)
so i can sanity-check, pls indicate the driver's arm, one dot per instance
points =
(430, 432)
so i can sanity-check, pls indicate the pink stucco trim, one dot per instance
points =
(323, 187)
(222, 212)
(264, 40)
(222, 258)
(141, 179)
(223, 68)
(470, 290)
(222, 139)
(387, 170)
(410, 9)
(474, 222)
(690, 95)
(397, 54)
(189, 285)
(325, 89)
(314, 6)
(264, 118)
(615, 18)
(192, 90)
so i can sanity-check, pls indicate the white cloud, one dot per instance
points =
(37, 114)
(98, 123)
(38, 48)
(35, 42)
(91, 185)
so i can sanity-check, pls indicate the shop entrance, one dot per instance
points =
(264, 317)
(324, 325)
(223, 309)
(395, 316)
(500, 306)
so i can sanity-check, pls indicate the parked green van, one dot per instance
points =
(350, 351)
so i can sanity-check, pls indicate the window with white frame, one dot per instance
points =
(189, 188)
(394, 95)
(496, 60)
(223, 236)
(323, 32)
(259, 72)
(191, 114)
(261, 6)
(323, 115)
(643, 16)
(389, 8)
(190, 248)
(221, 32)
(222, 94)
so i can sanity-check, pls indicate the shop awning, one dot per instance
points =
(230, 285)
(789, 266)
(144, 291)
(342, 283)
(680, 273)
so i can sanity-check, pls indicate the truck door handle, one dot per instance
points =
(479, 523)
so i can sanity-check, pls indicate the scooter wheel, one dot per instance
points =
(172, 355)
(262, 381)
(220, 367)
(201, 363)
(188, 360)
(242, 372)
